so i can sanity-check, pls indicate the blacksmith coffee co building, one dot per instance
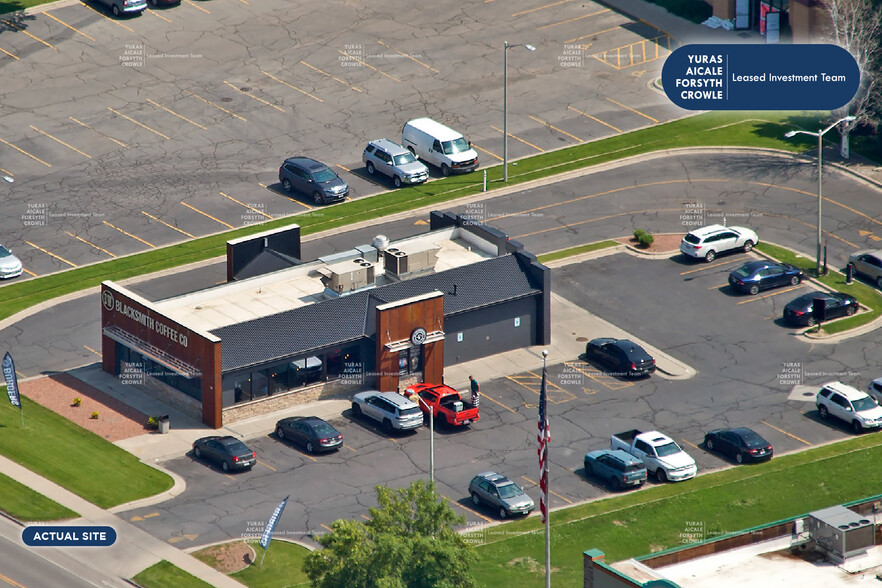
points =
(282, 331)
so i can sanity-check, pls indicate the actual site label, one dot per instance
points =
(760, 77)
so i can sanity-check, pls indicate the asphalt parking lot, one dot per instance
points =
(751, 372)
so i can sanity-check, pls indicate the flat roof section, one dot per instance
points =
(771, 565)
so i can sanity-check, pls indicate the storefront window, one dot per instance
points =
(410, 360)
(260, 384)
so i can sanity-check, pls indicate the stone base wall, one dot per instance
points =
(281, 400)
(132, 373)
(405, 381)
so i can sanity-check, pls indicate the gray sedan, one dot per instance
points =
(500, 492)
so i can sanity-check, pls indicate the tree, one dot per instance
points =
(856, 26)
(408, 542)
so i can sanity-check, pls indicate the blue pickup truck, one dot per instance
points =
(619, 469)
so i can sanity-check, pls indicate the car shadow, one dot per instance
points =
(216, 467)
(601, 484)
(369, 424)
(833, 423)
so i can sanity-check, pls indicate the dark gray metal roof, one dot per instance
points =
(344, 319)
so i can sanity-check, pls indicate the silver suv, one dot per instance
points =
(392, 410)
(393, 160)
(500, 492)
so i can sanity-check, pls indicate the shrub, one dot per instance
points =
(644, 238)
(77, 401)
(153, 422)
(95, 415)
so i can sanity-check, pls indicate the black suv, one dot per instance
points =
(310, 177)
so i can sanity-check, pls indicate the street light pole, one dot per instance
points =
(820, 135)
(528, 47)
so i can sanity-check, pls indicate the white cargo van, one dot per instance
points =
(441, 146)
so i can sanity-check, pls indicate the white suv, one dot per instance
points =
(392, 410)
(850, 405)
(395, 161)
(708, 242)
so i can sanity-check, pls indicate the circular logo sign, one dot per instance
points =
(418, 337)
(107, 299)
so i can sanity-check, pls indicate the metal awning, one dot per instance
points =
(406, 343)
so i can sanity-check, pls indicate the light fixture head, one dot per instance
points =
(789, 134)
(529, 47)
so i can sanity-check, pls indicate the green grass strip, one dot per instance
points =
(165, 575)
(578, 250)
(74, 458)
(24, 504)
(868, 296)
(708, 129)
(663, 517)
(282, 567)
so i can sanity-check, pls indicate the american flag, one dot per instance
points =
(544, 438)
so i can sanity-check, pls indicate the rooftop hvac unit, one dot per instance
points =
(349, 275)
(403, 263)
(840, 533)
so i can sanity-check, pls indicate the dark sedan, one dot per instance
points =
(741, 443)
(799, 310)
(620, 356)
(754, 276)
(311, 432)
(227, 451)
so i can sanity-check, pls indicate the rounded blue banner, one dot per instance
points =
(65, 536)
(760, 77)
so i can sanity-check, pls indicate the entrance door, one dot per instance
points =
(742, 14)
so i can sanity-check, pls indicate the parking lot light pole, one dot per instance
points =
(528, 47)
(820, 136)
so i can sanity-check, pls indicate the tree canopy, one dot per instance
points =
(408, 542)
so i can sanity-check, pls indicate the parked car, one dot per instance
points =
(619, 469)
(127, 7)
(393, 160)
(501, 493)
(391, 409)
(850, 405)
(444, 402)
(868, 263)
(311, 432)
(874, 389)
(754, 276)
(741, 443)
(10, 265)
(621, 356)
(315, 179)
(799, 310)
(441, 146)
(158, 3)
(228, 452)
(709, 242)
(659, 453)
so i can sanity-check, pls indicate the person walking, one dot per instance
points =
(476, 391)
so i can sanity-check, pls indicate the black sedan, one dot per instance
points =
(754, 276)
(741, 443)
(311, 432)
(620, 356)
(799, 310)
(227, 451)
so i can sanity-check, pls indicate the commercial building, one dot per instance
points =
(282, 331)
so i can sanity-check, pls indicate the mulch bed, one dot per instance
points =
(661, 243)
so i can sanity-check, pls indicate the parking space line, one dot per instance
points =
(326, 527)
(127, 234)
(10, 54)
(391, 77)
(50, 254)
(309, 457)
(105, 17)
(540, 8)
(785, 432)
(168, 225)
(594, 119)
(565, 499)
(519, 139)
(690, 444)
(93, 351)
(365, 517)
(755, 298)
(290, 86)
(210, 103)
(551, 126)
(632, 110)
(21, 30)
(81, 123)
(157, 15)
(8, 173)
(487, 152)
(474, 512)
(157, 105)
(27, 271)
(279, 108)
(795, 220)
(615, 28)
(336, 79)
(197, 6)
(535, 379)
(61, 142)
(554, 24)
(90, 244)
(49, 14)
(208, 215)
(718, 286)
(251, 208)
(20, 150)
(262, 185)
(412, 58)
(605, 379)
(349, 448)
(267, 465)
(491, 399)
(704, 267)
(137, 123)
(343, 167)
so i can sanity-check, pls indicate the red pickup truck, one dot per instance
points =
(446, 403)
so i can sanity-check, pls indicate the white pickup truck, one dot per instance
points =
(659, 453)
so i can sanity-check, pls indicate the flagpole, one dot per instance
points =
(545, 477)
